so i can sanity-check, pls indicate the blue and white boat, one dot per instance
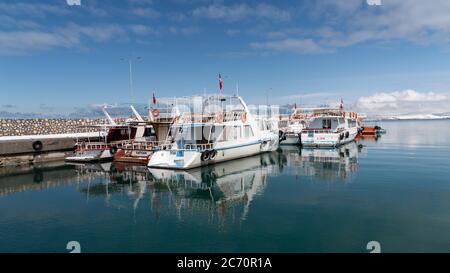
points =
(330, 128)
(212, 129)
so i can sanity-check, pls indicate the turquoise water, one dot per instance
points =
(394, 190)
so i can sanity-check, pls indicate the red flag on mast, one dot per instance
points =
(342, 104)
(154, 98)
(220, 82)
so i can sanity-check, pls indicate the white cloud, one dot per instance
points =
(239, 12)
(149, 13)
(33, 9)
(67, 36)
(73, 2)
(20, 41)
(141, 29)
(404, 102)
(293, 45)
(350, 22)
(141, 2)
(183, 30)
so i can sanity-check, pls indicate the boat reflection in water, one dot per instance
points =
(328, 165)
(223, 186)
(219, 193)
(223, 191)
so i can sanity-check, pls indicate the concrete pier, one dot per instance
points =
(31, 141)
(19, 150)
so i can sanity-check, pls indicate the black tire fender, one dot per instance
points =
(204, 156)
(212, 154)
(37, 145)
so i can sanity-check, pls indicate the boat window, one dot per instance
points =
(351, 123)
(260, 125)
(230, 133)
(149, 132)
(248, 132)
(237, 132)
(216, 133)
(326, 123)
(222, 134)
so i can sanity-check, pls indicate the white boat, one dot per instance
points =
(224, 129)
(290, 135)
(330, 128)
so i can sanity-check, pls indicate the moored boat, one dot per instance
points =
(330, 128)
(291, 134)
(223, 129)
(116, 136)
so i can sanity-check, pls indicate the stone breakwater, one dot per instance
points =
(44, 126)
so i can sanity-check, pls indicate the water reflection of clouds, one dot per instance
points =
(416, 133)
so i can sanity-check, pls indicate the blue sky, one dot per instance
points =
(393, 57)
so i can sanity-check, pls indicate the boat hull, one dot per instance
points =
(290, 140)
(133, 156)
(188, 159)
(90, 156)
(327, 140)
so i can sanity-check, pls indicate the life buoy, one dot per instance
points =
(219, 117)
(156, 112)
(212, 154)
(244, 117)
(343, 114)
(37, 145)
(204, 156)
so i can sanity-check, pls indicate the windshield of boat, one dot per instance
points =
(324, 123)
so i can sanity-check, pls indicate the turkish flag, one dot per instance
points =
(220, 82)
(154, 98)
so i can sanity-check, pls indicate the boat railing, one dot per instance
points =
(166, 146)
(233, 116)
(142, 144)
(212, 117)
(84, 146)
(317, 131)
(198, 147)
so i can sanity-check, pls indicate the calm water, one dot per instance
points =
(395, 190)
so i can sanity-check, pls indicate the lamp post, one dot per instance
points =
(130, 63)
